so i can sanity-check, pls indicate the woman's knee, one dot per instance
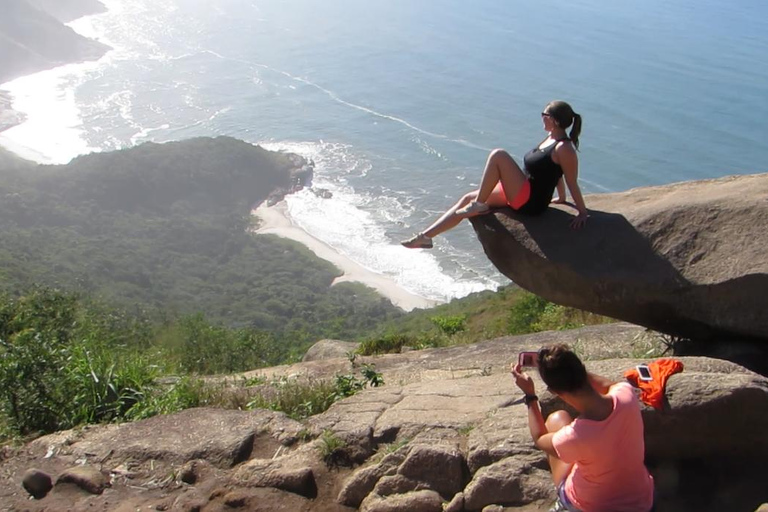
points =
(558, 420)
(499, 153)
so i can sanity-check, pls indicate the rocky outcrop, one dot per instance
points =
(223, 438)
(68, 10)
(329, 349)
(301, 173)
(686, 259)
(446, 438)
(31, 39)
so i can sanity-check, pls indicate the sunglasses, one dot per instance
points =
(546, 114)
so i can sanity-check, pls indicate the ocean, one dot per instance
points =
(398, 102)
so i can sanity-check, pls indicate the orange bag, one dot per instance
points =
(652, 391)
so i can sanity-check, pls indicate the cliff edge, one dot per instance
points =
(686, 259)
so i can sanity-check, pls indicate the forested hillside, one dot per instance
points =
(166, 228)
(33, 37)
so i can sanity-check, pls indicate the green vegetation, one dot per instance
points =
(167, 228)
(62, 365)
(478, 317)
(331, 448)
(300, 399)
(65, 361)
(128, 276)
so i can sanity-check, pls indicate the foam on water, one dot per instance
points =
(395, 128)
(353, 223)
(52, 132)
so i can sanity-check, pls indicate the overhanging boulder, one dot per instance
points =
(687, 259)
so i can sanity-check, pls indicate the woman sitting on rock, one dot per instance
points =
(527, 191)
(597, 458)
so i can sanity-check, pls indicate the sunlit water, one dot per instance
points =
(398, 102)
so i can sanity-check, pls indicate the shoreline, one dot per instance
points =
(8, 116)
(275, 221)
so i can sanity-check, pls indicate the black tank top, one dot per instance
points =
(543, 173)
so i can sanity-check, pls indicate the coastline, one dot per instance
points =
(8, 117)
(275, 221)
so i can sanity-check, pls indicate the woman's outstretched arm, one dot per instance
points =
(569, 162)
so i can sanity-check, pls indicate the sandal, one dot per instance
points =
(418, 241)
(474, 208)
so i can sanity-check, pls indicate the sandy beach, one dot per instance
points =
(274, 221)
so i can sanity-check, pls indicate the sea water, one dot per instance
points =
(398, 102)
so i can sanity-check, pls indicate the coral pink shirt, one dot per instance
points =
(609, 474)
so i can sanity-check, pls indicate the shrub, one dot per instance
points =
(450, 324)
(331, 449)
(525, 313)
(186, 393)
(387, 344)
(296, 398)
(58, 368)
(205, 348)
(300, 399)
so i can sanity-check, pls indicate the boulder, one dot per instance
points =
(362, 481)
(87, 478)
(194, 471)
(439, 468)
(686, 259)
(285, 474)
(512, 481)
(37, 483)
(416, 501)
(329, 349)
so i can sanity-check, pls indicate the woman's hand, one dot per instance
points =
(523, 381)
(580, 220)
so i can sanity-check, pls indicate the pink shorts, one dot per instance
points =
(520, 199)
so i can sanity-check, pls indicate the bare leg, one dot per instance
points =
(450, 219)
(560, 469)
(501, 167)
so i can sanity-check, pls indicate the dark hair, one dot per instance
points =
(564, 116)
(561, 369)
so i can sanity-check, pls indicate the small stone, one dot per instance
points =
(37, 483)
(193, 471)
(87, 478)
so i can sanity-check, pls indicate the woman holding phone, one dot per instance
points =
(597, 459)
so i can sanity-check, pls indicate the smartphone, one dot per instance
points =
(644, 372)
(528, 359)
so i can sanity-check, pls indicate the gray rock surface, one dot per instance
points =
(329, 349)
(284, 474)
(363, 481)
(454, 435)
(687, 259)
(511, 481)
(87, 478)
(416, 501)
(221, 437)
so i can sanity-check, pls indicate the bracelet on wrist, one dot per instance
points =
(529, 399)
